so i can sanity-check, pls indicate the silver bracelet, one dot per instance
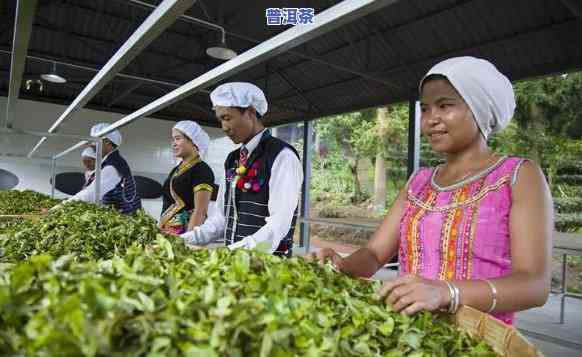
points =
(493, 295)
(457, 298)
(452, 296)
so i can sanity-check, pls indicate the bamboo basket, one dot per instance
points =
(502, 338)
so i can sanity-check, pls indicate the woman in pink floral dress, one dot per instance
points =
(476, 230)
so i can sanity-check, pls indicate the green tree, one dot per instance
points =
(346, 134)
(549, 120)
(387, 150)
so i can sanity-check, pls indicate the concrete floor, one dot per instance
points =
(542, 327)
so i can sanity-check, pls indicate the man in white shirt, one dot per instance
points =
(257, 203)
(118, 187)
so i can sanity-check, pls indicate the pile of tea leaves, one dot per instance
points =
(87, 281)
(15, 202)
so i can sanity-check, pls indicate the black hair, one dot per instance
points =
(433, 77)
(242, 110)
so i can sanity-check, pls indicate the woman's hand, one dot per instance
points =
(325, 254)
(410, 294)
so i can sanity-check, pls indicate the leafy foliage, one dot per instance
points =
(207, 303)
(558, 99)
(87, 281)
(24, 202)
(568, 222)
(574, 168)
(347, 139)
(331, 176)
(570, 179)
(568, 205)
(91, 231)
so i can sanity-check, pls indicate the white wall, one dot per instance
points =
(145, 146)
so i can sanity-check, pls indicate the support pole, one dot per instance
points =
(98, 159)
(304, 241)
(564, 291)
(25, 10)
(53, 167)
(413, 137)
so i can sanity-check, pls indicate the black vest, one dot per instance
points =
(252, 206)
(184, 185)
(124, 197)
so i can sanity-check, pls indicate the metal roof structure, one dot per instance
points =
(374, 60)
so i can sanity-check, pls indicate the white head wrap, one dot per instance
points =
(488, 93)
(89, 152)
(114, 136)
(239, 94)
(198, 136)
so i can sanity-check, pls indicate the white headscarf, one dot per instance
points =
(488, 93)
(240, 94)
(114, 136)
(198, 136)
(89, 152)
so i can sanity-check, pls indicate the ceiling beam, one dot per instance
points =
(316, 59)
(348, 37)
(145, 5)
(309, 103)
(152, 81)
(44, 23)
(287, 96)
(4, 29)
(10, 20)
(328, 20)
(122, 96)
(25, 10)
(90, 68)
(158, 21)
(64, 101)
(84, 38)
(130, 21)
(556, 68)
(39, 133)
(372, 24)
(204, 9)
(514, 37)
(409, 65)
(190, 104)
(574, 6)
(322, 57)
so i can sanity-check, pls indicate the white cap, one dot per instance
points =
(486, 91)
(195, 133)
(114, 136)
(89, 152)
(239, 94)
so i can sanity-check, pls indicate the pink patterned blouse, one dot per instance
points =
(459, 232)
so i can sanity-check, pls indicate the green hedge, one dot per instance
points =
(568, 222)
(570, 170)
(569, 179)
(568, 205)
